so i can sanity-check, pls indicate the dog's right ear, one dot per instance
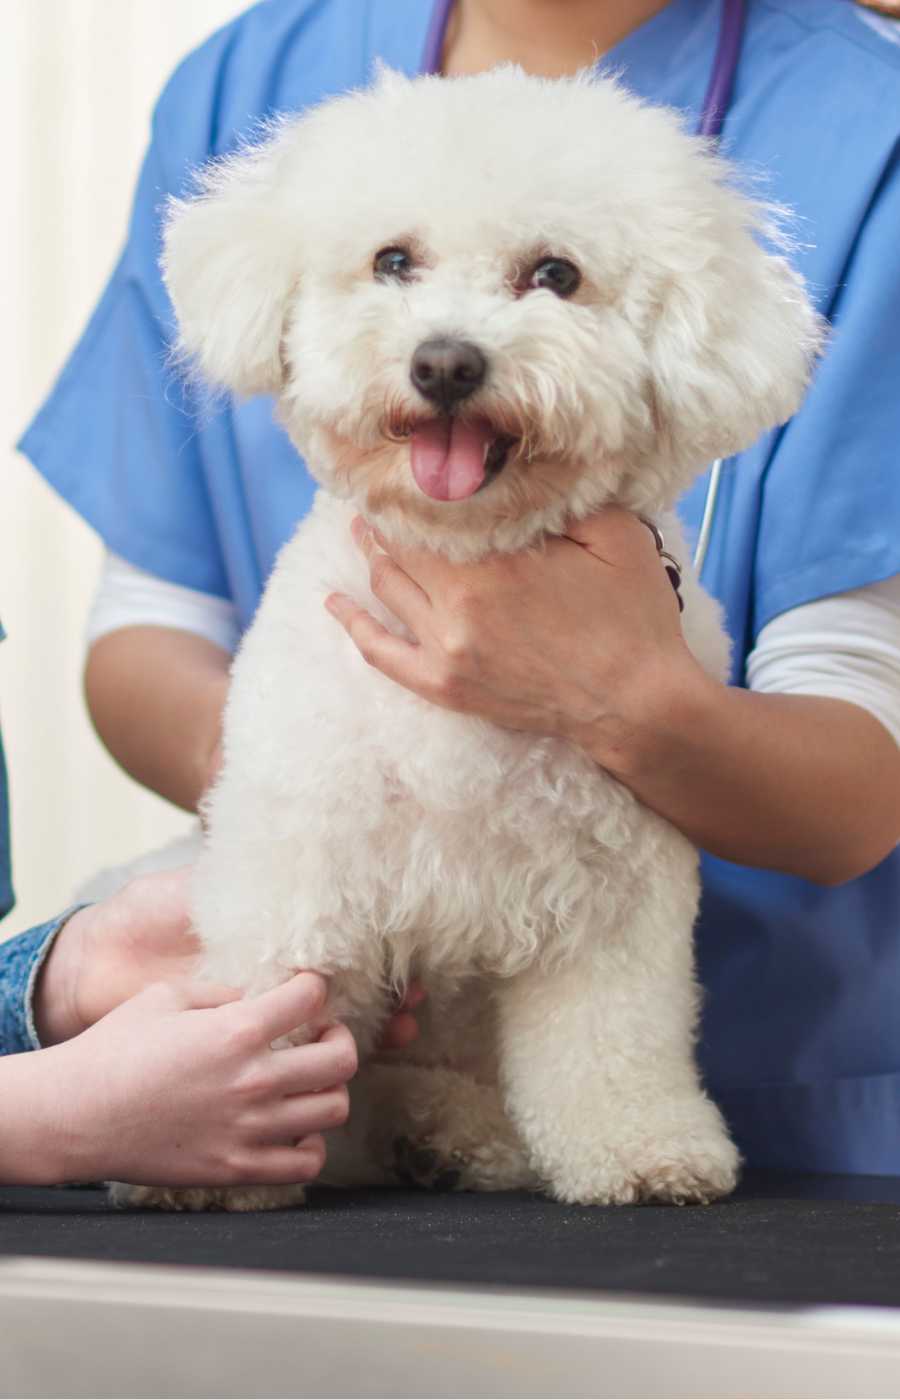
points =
(230, 262)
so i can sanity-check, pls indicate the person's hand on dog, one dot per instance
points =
(582, 638)
(180, 1086)
(576, 638)
(108, 952)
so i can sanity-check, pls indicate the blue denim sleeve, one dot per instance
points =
(21, 959)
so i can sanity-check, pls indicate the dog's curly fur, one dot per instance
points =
(361, 831)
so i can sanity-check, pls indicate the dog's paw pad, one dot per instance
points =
(424, 1162)
(415, 1165)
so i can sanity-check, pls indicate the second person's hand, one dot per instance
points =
(180, 1086)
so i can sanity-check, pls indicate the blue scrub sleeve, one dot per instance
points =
(830, 507)
(21, 960)
(118, 436)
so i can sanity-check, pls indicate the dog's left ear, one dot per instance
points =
(230, 263)
(734, 340)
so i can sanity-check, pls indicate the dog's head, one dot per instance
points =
(489, 304)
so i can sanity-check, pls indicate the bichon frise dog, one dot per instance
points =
(486, 306)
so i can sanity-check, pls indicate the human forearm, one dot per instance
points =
(805, 785)
(156, 696)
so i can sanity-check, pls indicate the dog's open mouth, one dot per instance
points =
(451, 459)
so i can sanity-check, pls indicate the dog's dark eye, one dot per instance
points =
(557, 275)
(393, 262)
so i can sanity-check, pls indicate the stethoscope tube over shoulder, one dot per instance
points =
(715, 106)
(724, 70)
(709, 511)
(721, 80)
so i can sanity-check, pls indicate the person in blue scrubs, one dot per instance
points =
(799, 934)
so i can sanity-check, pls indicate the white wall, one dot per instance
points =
(78, 79)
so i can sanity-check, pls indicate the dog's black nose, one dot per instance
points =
(446, 371)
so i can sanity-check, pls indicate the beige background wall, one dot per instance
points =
(78, 79)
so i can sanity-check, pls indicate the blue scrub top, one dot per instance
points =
(801, 1029)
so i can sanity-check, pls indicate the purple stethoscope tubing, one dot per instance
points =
(431, 59)
(721, 79)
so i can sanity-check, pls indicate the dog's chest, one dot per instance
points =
(425, 818)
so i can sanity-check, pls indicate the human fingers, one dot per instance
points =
(613, 535)
(401, 1028)
(415, 994)
(303, 1069)
(282, 1009)
(270, 1165)
(395, 657)
(394, 587)
(400, 1031)
(426, 568)
(299, 1115)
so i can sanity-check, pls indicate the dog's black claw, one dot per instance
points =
(446, 1181)
(424, 1161)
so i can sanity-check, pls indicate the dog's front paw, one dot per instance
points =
(460, 1138)
(418, 1164)
(443, 1162)
(697, 1164)
(234, 1198)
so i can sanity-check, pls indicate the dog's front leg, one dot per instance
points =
(600, 1082)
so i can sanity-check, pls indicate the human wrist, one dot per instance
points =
(666, 703)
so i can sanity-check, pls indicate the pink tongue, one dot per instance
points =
(448, 458)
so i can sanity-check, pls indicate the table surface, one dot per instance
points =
(781, 1238)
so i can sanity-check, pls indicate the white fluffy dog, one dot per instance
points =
(487, 306)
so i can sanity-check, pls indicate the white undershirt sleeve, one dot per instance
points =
(130, 597)
(846, 646)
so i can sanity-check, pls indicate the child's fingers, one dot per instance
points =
(300, 1115)
(400, 1031)
(271, 1166)
(415, 995)
(401, 1028)
(283, 1009)
(304, 1069)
